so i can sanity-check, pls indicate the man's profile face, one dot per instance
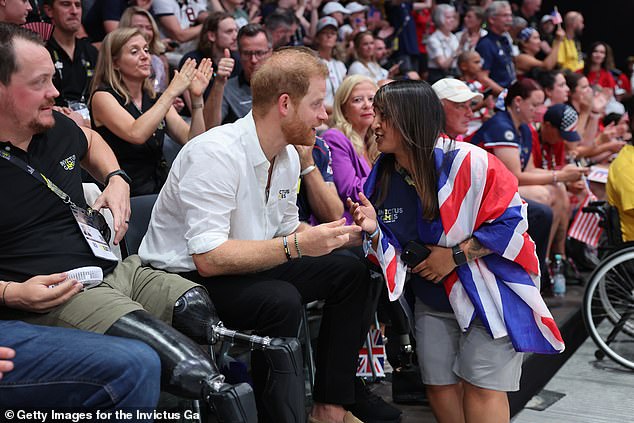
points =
(457, 117)
(16, 11)
(29, 97)
(502, 20)
(299, 126)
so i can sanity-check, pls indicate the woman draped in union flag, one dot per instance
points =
(477, 301)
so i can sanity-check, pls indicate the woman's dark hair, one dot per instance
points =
(604, 64)
(522, 88)
(612, 118)
(547, 78)
(413, 109)
(572, 80)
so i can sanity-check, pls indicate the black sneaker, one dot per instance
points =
(371, 408)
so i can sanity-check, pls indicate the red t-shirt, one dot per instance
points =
(547, 156)
(601, 78)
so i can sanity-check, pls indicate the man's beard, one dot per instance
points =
(296, 132)
(35, 126)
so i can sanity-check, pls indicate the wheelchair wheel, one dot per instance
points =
(608, 306)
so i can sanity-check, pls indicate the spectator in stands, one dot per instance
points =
(405, 43)
(466, 371)
(326, 46)
(350, 139)
(141, 19)
(74, 58)
(234, 7)
(495, 47)
(129, 116)
(596, 68)
(60, 368)
(508, 137)
(472, 28)
(356, 21)
(230, 98)
(530, 45)
(104, 16)
(180, 21)
(223, 222)
(218, 42)
(443, 47)
(41, 236)
(14, 11)
(554, 85)
(456, 99)
(366, 63)
(570, 54)
(282, 25)
(470, 66)
(547, 32)
(620, 188)
(528, 11)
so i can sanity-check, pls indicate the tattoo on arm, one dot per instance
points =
(473, 249)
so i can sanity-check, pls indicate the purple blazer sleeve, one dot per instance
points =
(349, 170)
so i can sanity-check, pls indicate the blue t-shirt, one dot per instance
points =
(323, 162)
(499, 131)
(402, 215)
(497, 58)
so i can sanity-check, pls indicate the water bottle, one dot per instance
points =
(559, 280)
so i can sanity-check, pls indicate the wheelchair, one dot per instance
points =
(608, 303)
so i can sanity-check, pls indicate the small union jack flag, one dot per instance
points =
(374, 360)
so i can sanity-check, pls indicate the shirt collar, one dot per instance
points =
(254, 149)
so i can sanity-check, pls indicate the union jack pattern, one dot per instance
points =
(477, 196)
(365, 364)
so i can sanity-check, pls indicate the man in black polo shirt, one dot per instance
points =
(41, 240)
(74, 58)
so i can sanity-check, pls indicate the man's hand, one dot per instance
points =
(6, 365)
(225, 66)
(322, 239)
(116, 197)
(437, 265)
(34, 295)
(305, 153)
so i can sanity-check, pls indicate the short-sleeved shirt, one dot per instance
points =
(323, 162)
(439, 45)
(620, 189)
(336, 73)
(499, 131)
(73, 76)
(39, 234)
(216, 191)
(497, 58)
(372, 70)
(236, 99)
(102, 10)
(570, 56)
(186, 11)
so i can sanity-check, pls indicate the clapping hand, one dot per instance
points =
(182, 78)
(201, 78)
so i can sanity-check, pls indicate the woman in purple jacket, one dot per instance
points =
(351, 140)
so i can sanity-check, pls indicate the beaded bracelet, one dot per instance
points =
(299, 253)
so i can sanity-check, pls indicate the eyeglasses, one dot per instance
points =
(258, 54)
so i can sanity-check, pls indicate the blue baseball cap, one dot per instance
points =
(564, 118)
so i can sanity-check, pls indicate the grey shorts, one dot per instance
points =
(128, 288)
(446, 354)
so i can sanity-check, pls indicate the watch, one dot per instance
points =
(459, 256)
(119, 172)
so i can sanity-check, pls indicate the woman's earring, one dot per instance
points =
(517, 110)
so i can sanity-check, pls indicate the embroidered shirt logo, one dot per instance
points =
(68, 163)
(390, 215)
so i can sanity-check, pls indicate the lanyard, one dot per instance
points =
(39, 176)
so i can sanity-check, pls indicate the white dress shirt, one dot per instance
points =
(215, 191)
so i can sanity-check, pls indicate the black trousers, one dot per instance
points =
(271, 303)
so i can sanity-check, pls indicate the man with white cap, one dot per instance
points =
(335, 10)
(456, 99)
(356, 19)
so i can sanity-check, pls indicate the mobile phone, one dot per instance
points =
(414, 253)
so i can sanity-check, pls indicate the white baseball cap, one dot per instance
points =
(455, 90)
(333, 7)
(326, 21)
(354, 7)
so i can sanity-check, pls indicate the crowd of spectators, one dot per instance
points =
(511, 78)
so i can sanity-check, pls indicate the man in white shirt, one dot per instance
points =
(180, 21)
(227, 217)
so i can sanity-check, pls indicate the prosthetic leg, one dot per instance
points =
(283, 398)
